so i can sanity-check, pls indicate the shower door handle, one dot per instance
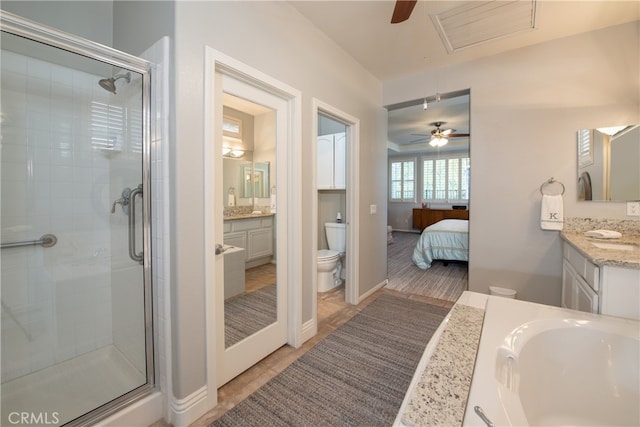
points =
(132, 225)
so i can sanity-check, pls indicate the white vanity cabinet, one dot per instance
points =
(332, 162)
(255, 235)
(605, 289)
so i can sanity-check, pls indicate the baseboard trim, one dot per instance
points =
(309, 330)
(371, 291)
(186, 411)
(141, 413)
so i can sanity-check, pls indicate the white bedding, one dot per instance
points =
(446, 240)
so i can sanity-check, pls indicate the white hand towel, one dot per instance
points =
(551, 213)
(231, 200)
(273, 203)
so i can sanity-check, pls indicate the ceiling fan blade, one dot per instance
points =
(418, 140)
(457, 135)
(402, 10)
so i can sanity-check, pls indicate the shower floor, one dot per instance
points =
(60, 393)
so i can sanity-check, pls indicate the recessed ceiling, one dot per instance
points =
(389, 51)
(409, 125)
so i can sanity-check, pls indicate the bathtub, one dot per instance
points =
(543, 365)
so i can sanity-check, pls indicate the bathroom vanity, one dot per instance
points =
(601, 276)
(254, 233)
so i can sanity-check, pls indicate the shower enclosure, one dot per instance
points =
(75, 280)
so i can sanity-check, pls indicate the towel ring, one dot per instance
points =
(549, 182)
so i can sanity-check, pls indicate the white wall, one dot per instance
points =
(526, 106)
(275, 39)
(95, 17)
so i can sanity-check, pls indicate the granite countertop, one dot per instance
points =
(246, 216)
(440, 395)
(606, 257)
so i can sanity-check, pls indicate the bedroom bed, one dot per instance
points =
(446, 240)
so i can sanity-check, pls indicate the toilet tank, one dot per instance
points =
(336, 236)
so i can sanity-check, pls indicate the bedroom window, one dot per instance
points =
(446, 179)
(402, 185)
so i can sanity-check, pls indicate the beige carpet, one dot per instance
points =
(440, 281)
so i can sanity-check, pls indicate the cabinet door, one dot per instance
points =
(587, 298)
(340, 161)
(325, 162)
(568, 286)
(620, 292)
(260, 243)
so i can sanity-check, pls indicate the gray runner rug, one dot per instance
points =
(357, 376)
(247, 314)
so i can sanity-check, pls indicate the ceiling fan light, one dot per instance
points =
(438, 141)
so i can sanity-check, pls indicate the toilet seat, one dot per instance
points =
(327, 255)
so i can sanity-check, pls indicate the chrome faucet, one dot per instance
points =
(122, 201)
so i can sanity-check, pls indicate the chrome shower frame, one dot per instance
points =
(16, 25)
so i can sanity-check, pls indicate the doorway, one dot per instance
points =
(252, 185)
(343, 198)
(429, 181)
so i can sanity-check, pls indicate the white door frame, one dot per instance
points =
(352, 288)
(289, 212)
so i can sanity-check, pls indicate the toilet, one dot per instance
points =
(330, 260)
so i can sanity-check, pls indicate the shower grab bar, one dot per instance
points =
(132, 225)
(46, 241)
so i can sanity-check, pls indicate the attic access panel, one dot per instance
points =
(478, 22)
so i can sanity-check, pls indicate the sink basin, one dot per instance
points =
(616, 246)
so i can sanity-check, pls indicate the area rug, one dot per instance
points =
(246, 314)
(445, 282)
(357, 376)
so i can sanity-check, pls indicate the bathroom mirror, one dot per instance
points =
(255, 177)
(608, 159)
(233, 182)
(246, 180)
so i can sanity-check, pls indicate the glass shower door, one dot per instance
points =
(76, 323)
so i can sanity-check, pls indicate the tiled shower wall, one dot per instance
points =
(158, 54)
(56, 302)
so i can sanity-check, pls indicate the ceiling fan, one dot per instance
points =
(402, 10)
(440, 137)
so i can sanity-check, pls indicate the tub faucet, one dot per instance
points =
(483, 416)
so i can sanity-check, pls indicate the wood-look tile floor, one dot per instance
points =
(332, 312)
(258, 277)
